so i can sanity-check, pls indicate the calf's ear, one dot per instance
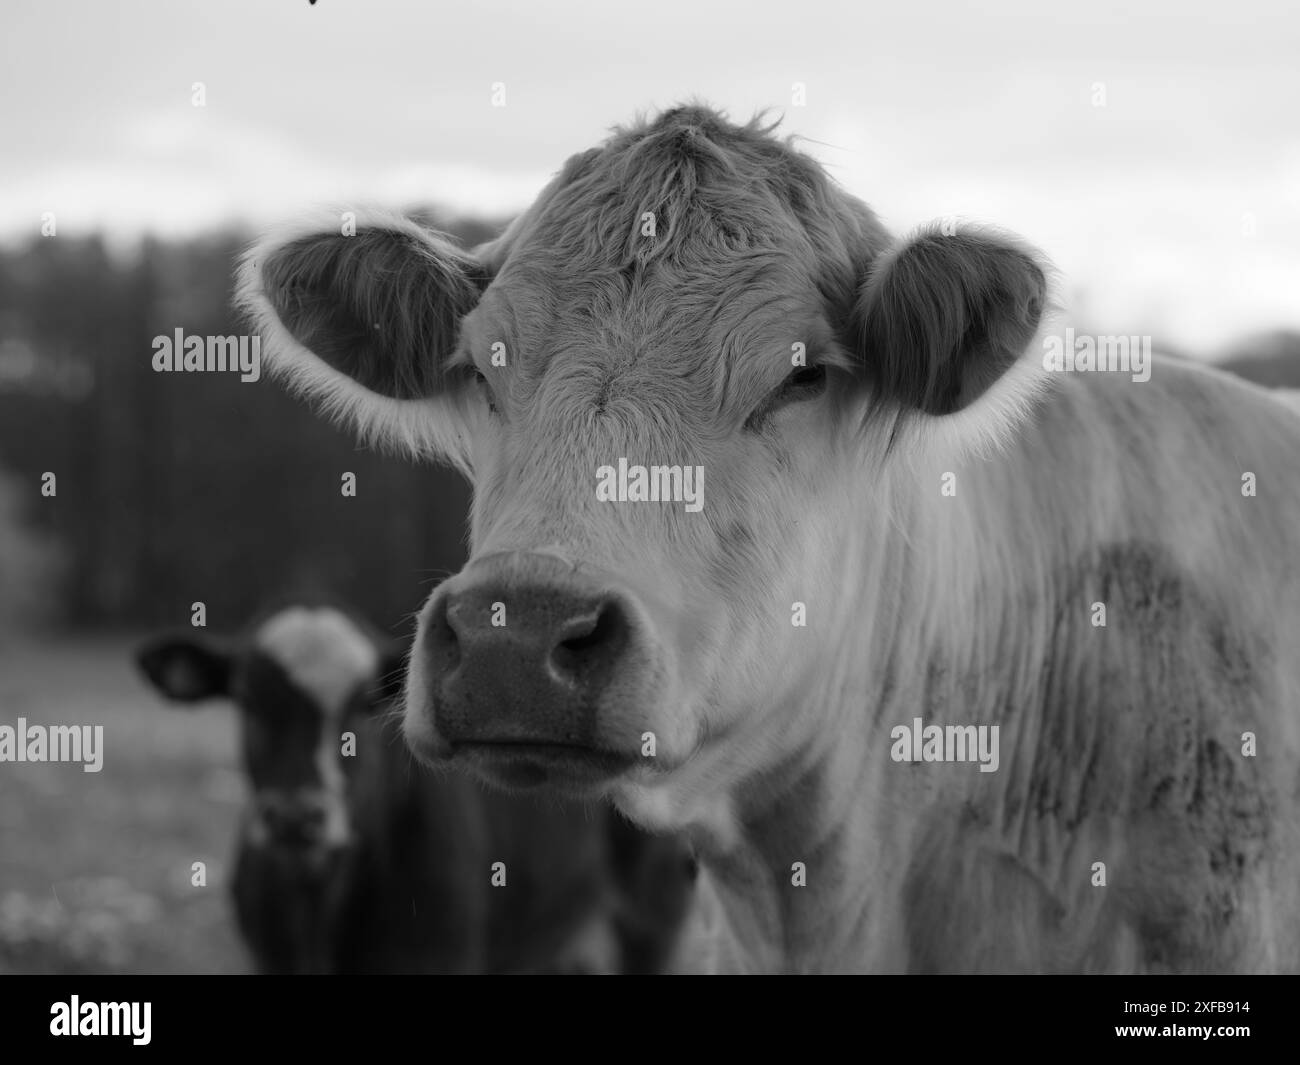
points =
(943, 319)
(185, 669)
(362, 318)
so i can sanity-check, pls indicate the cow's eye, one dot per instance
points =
(805, 383)
(481, 383)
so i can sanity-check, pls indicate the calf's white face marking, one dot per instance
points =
(322, 652)
(325, 655)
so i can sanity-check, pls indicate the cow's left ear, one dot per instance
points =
(943, 317)
(361, 311)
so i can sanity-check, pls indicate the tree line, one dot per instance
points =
(170, 489)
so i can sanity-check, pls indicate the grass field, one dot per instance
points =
(95, 868)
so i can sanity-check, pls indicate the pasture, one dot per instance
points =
(95, 873)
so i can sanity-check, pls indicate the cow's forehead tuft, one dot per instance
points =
(322, 651)
(715, 190)
(688, 203)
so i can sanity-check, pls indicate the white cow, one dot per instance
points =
(784, 536)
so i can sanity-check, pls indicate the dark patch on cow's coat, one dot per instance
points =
(1135, 751)
(1178, 679)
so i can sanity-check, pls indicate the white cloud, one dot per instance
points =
(922, 113)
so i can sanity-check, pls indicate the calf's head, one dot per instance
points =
(671, 382)
(304, 678)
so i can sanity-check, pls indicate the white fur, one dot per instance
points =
(323, 653)
(327, 657)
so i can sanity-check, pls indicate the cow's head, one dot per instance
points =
(304, 678)
(692, 295)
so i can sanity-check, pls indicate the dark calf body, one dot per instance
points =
(420, 892)
(408, 892)
(366, 862)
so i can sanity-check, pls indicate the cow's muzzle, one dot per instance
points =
(298, 821)
(528, 669)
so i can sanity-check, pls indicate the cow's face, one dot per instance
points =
(306, 678)
(691, 311)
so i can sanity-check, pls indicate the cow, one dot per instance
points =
(947, 654)
(352, 860)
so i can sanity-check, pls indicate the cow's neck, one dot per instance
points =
(753, 917)
(927, 609)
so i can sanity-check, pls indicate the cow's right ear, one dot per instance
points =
(362, 316)
(185, 669)
(947, 324)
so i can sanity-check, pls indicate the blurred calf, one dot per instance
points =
(351, 858)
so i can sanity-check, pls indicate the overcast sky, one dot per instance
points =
(1173, 208)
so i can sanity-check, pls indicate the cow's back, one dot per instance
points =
(1145, 812)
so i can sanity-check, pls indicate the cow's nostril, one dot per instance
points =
(587, 632)
(526, 660)
(442, 636)
(591, 642)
